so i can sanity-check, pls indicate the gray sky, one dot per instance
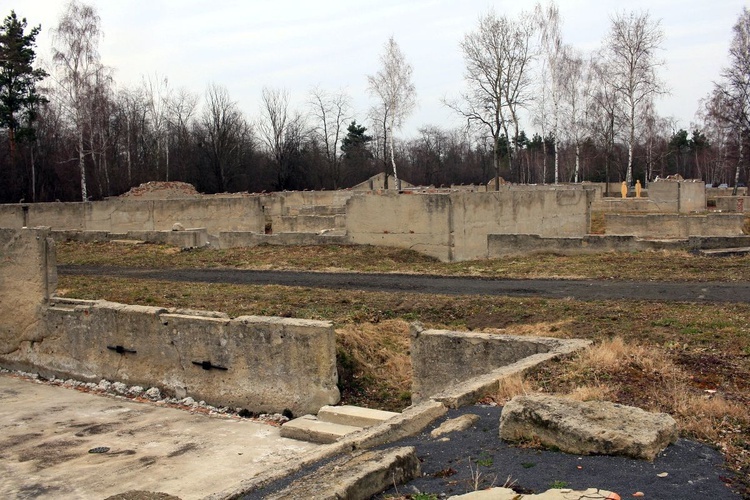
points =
(298, 44)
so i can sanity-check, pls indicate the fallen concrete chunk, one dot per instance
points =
(310, 429)
(554, 494)
(455, 424)
(354, 415)
(356, 477)
(587, 428)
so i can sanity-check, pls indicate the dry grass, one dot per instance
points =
(374, 364)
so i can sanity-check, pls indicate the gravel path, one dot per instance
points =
(576, 289)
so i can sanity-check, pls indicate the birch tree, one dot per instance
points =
(631, 49)
(575, 86)
(551, 76)
(76, 57)
(733, 92)
(393, 87)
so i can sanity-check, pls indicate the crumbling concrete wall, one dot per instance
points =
(271, 364)
(674, 225)
(682, 197)
(740, 204)
(190, 238)
(28, 276)
(454, 226)
(460, 367)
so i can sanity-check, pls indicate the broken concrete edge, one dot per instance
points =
(474, 389)
(411, 421)
(359, 475)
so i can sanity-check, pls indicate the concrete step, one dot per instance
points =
(353, 415)
(309, 428)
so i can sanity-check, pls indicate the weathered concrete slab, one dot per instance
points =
(309, 428)
(46, 433)
(354, 415)
(587, 428)
(356, 477)
(455, 425)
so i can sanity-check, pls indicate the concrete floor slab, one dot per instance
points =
(46, 433)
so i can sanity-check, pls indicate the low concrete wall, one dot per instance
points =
(739, 204)
(189, 238)
(504, 245)
(630, 205)
(674, 225)
(236, 239)
(443, 361)
(271, 364)
(215, 214)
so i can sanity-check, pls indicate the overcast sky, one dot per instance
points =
(298, 44)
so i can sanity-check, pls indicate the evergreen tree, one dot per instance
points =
(18, 78)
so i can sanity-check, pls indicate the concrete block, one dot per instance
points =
(586, 428)
(354, 415)
(309, 428)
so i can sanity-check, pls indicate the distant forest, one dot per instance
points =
(69, 132)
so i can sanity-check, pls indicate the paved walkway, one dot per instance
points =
(46, 433)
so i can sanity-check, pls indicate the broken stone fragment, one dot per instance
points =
(587, 428)
(455, 424)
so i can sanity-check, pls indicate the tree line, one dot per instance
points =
(71, 133)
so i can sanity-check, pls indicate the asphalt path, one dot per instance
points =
(441, 285)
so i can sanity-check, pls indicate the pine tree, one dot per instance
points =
(19, 99)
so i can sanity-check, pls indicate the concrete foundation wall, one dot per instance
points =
(28, 276)
(271, 364)
(739, 204)
(239, 239)
(418, 222)
(215, 214)
(674, 226)
(455, 226)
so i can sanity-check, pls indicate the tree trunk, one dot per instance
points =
(82, 165)
(737, 170)
(578, 162)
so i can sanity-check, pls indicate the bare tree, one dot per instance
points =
(331, 113)
(630, 48)
(157, 93)
(393, 87)
(227, 134)
(604, 112)
(76, 57)
(282, 133)
(498, 55)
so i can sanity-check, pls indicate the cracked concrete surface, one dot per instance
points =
(46, 433)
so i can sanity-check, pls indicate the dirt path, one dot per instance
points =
(576, 289)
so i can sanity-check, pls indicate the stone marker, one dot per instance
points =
(587, 428)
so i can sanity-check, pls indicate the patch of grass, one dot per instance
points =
(558, 485)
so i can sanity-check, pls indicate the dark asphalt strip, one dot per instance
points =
(441, 285)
